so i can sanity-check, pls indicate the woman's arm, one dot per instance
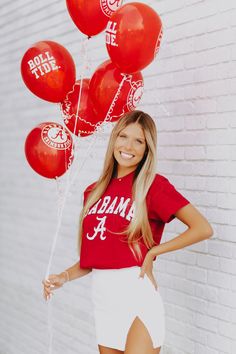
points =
(198, 230)
(56, 281)
(75, 272)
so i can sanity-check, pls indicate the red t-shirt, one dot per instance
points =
(103, 249)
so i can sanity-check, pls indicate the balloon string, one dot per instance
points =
(99, 126)
(50, 328)
(85, 60)
(110, 110)
(84, 66)
(67, 181)
(66, 191)
(49, 319)
(60, 212)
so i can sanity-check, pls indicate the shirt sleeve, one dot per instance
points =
(167, 200)
(84, 198)
(87, 191)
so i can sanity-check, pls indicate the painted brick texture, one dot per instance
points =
(190, 90)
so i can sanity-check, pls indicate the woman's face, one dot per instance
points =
(129, 147)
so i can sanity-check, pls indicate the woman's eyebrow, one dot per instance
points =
(139, 137)
(136, 137)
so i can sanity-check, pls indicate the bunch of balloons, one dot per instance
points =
(133, 36)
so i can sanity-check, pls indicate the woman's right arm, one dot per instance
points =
(56, 281)
(75, 272)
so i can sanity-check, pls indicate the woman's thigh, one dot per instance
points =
(107, 350)
(138, 339)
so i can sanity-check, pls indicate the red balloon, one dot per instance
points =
(48, 149)
(91, 16)
(104, 85)
(87, 119)
(133, 36)
(48, 70)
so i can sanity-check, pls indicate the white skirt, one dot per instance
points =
(118, 296)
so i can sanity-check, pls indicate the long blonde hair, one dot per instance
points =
(139, 226)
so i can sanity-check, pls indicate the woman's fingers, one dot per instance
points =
(47, 288)
(155, 284)
(153, 280)
(46, 283)
(47, 295)
(51, 283)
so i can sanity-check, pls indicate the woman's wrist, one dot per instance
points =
(65, 276)
(153, 251)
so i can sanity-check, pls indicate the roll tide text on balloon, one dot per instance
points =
(48, 70)
(111, 33)
(42, 64)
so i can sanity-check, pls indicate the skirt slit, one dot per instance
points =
(119, 296)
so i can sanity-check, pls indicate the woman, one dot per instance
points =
(121, 225)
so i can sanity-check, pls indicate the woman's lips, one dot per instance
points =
(126, 156)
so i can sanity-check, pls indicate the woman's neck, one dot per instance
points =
(123, 172)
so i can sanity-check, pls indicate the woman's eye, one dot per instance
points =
(139, 141)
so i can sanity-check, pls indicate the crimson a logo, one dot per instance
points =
(110, 6)
(135, 94)
(54, 136)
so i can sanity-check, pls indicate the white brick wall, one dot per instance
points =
(190, 90)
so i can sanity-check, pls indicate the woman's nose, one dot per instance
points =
(128, 144)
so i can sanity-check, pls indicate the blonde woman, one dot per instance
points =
(121, 225)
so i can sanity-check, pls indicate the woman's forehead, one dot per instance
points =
(133, 128)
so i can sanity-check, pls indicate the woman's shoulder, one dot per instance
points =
(160, 183)
(90, 187)
(159, 180)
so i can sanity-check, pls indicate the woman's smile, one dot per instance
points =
(129, 148)
(126, 155)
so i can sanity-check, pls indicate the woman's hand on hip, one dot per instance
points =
(147, 268)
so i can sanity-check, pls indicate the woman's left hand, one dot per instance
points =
(147, 268)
